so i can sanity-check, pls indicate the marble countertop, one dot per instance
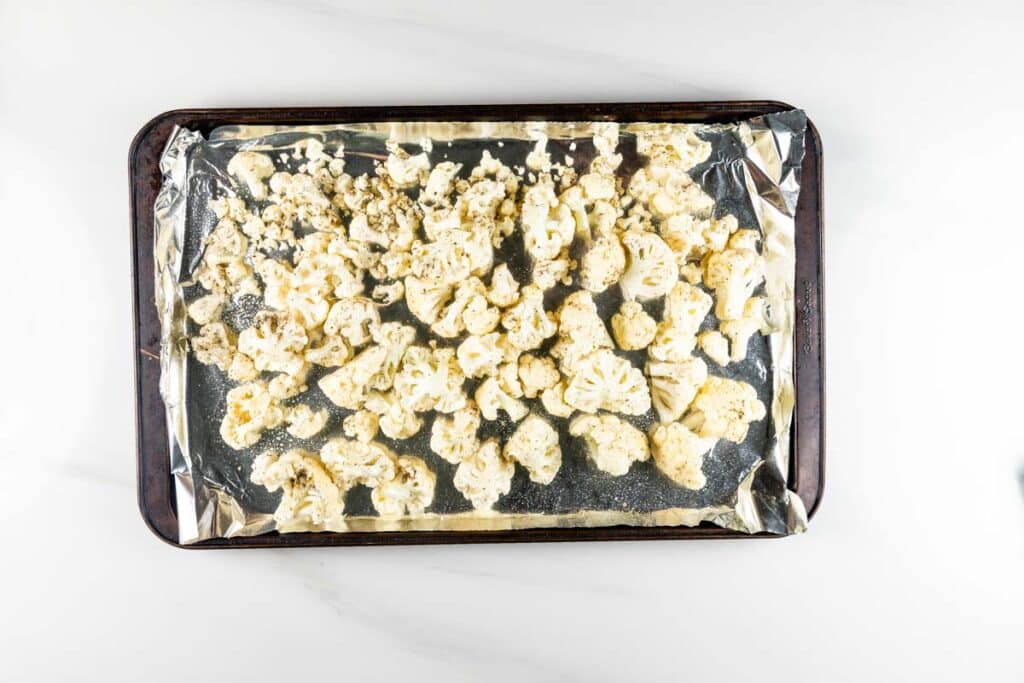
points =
(917, 104)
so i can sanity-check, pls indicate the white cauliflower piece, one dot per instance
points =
(479, 316)
(739, 331)
(250, 411)
(206, 309)
(546, 274)
(329, 352)
(439, 184)
(426, 299)
(527, 323)
(674, 385)
(310, 500)
(686, 306)
(724, 408)
(347, 386)
(612, 443)
(484, 475)
(534, 445)
(361, 425)
(406, 170)
(652, 269)
(388, 293)
(454, 438)
(276, 342)
(395, 420)
(491, 398)
(354, 462)
(252, 168)
(304, 422)
(553, 400)
(632, 328)
(692, 273)
(468, 309)
(480, 355)
(603, 381)
(354, 319)
(409, 492)
(734, 274)
(679, 454)
(548, 225)
(715, 345)
(214, 345)
(536, 373)
(603, 264)
(284, 386)
(242, 368)
(580, 331)
(508, 380)
(430, 379)
(504, 290)
(395, 338)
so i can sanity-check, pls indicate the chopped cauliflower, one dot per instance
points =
(673, 386)
(536, 373)
(206, 309)
(603, 381)
(724, 408)
(304, 422)
(284, 386)
(347, 386)
(504, 290)
(685, 309)
(409, 492)
(242, 368)
(252, 168)
(679, 454)
(430, 379)
(715, 346)
(214, 345)
(329, 352)
(553, 400)
(491, 398)
(395, 420)
(548, 224)
(454, 438)
(603, 264)
(612, 443)
(354, 462)
(276, 342)
(311, 499)
(734, 274)
(354, 319)
(250, 411)
(404, 169)
(740, 330)
(480, 355)
(632, 328)
(651, 271)
(484, 475)
(386, 294)
(361, 425)
(527, 323)
(534, 445)
(580, 331)
(394, 338)
(426, 299)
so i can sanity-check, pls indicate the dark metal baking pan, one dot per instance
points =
(155, 486)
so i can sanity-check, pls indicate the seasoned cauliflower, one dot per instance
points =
(252, 168)
(715, 346)
(304, 422)
(484, 475)
(395, 420)
(214, 345)
(612, 443)
(673, 385)
(534, 445)
(453, 438)
(679, 454)
(504, 290)
(354, 319)
(724, 408)
(740, 330)
(242, 368)
(329, 352)
(426, 299)
(548, 225)
(310, 500)
(603, 264)
(394, 338)
(685, 309)
(206, 309)
(632, 328)
(580, 331)
(553, 400)
(527, 323)
(651, 271)
(388, 293)
(250, 411)
(491, 398)
(734, 274)
(468, 310)
(409, 492)
(361, 425)
(276, 342)
(604, 381)
(480, 355)
(285, 386)
(536, 373)
(404, 169)
(347, 386)
(354, 462)
(430, 379)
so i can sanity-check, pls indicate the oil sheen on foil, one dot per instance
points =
(753, 172)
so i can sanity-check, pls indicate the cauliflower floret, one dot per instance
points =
(739, 331)
(679, 454)
(548, 225)
(242, 368)
(612, 443)
(250, 411)
(454, 438)
(632, 327)
(715, 346)
(439, 184)
(536, 373)
(395, 420)
(652, 269)
(361, 426)
(508, 380)
(252, 168)
(527, 322)
(285, 386)
(692, 273)
(484, 475)
(546, 274)
(346, 387)
(430, 379)
(355, 462)
(724, 408)
(604, 381)
(329, 352)
(206, 309)
(406, 170)
(480, 355)
(554, 401)
(603, 264)
(491, 398)
(685, 309)
(673, 386)
(395, 338)
(734, 274)
(409, 492)
(468, 309)
(304, 422)
(580, 331)
(388, 293)
(311, 499)
(214, 345)
(479, 317)
(504, 290)
(538, 159)
(534, 445)
(425, 299)
(354, 319)
(276, 342)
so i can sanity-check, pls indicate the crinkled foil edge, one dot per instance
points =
(770, 170)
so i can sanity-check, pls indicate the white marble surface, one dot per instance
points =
(919, 105)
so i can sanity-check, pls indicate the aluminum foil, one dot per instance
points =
(753, 172)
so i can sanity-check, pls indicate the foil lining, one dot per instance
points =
(753, 172)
